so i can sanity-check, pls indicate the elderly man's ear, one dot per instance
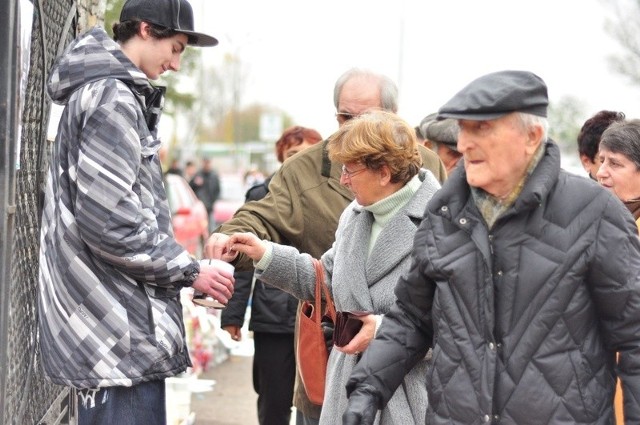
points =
(535, 138)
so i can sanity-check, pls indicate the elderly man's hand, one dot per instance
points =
(361, 410)
(216, 247)
(215, 281)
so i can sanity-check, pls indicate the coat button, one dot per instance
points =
(463, 221)
(486, 418)
(492, 346)
(444, 208)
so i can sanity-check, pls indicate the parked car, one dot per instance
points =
(232, 191)
(188, 215)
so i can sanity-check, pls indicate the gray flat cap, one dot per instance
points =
(500, 93)
(443, 131)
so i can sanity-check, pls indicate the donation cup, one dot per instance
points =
(203, 299)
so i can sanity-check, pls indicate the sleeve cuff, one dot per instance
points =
(266, 258)
(378, 318)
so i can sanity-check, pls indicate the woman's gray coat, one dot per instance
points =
(361, 283)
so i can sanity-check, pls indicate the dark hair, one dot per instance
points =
(592, 129)
(123, 31)
(294, 136)
(623, 137)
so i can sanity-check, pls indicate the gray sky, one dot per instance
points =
(294, 50)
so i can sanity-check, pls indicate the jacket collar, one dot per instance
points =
(455, 193)
(392, 245)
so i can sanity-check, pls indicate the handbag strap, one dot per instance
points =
(321, 286)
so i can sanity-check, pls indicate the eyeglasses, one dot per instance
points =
(350, 174)
(343, 117)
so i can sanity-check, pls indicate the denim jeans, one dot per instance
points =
(137, 405)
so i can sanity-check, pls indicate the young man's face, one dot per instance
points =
(162, 54)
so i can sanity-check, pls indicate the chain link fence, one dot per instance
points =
(29, 398)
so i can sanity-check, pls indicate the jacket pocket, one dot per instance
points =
(165, 319)
(588, 388)
(432, 377)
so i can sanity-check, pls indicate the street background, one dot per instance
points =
(223, 392)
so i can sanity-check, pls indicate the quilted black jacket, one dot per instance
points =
(524, 319)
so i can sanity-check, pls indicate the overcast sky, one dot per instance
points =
(294, 50)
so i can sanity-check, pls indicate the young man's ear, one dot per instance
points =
(587, 163)
(144, 31)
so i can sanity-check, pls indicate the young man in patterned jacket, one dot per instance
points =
(110, 268)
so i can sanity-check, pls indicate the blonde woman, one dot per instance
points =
(382, 167)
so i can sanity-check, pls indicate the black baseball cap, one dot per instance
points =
(176, 15)
(493, 95)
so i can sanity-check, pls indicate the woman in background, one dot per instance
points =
(619, 156)
(620, 170)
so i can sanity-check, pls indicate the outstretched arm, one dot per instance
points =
(247, 243)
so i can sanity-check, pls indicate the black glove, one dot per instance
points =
(362, 408)
(327, 330)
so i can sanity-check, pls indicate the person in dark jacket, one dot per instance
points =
(110, 318)
(206, 185)
(443, 136)
(525, 281)
(273, 312)
(589, 139)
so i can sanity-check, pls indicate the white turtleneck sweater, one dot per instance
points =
(386, 208)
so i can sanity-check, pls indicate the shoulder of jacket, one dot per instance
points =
(106, 91)
(257, 192)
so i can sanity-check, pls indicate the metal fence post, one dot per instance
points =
(8, 141)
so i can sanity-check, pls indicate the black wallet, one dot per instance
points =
(347, 326)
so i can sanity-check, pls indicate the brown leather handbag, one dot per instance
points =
(312, 354)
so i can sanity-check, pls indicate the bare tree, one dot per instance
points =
(565, 120)
(624, 27)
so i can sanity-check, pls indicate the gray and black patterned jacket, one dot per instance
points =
(110, 269)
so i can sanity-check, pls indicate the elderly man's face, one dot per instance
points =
(497, 152)
(358, 95)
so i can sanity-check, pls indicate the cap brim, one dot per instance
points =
(452, 146)
(199, 39)
(470, 116)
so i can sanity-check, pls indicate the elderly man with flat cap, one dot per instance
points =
(443, 137)
(525, 281)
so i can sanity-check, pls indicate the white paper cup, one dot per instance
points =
(204, 300)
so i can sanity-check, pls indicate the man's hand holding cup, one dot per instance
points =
(214, 285)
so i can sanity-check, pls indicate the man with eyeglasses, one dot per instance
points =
(306, 198)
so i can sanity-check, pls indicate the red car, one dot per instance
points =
(232, 193)
(188, 215)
